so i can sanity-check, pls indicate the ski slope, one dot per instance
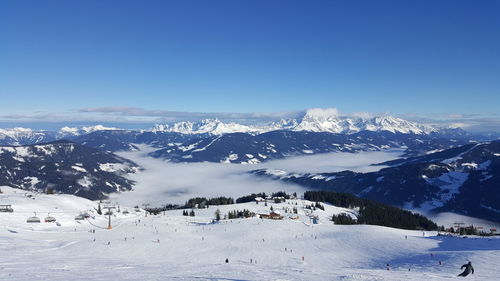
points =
(174, 247)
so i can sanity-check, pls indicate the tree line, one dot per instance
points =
(203, 202)
(371, 212)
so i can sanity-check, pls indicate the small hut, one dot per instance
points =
(271, 216)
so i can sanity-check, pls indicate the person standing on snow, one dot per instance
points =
(468, 269)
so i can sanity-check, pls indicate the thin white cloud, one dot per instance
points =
(475, 123)
(174, 116)
(323, 112)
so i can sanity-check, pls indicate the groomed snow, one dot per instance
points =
(174, 247)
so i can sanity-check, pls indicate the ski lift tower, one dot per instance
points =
(109, 213)
(145, 205)
(459, 225)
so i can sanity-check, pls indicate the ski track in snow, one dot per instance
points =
(193, 248)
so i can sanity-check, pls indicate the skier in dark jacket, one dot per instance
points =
(468, 269)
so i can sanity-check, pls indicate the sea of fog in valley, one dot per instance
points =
(161, 182)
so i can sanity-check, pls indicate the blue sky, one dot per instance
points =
(67, 60)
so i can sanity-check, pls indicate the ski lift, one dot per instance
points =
(48, 218)
(79, 218)
(6, 208)
(33, 219)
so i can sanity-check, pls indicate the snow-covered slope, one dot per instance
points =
(174, 247)
(64, 167)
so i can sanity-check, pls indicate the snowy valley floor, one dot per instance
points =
(174, 247)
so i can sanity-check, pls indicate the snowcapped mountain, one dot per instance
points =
(312, 121)
(22, 136)
(27, 136)
(463, 180)
(316, 131)
(205, 126)
(64, 167)
(65, 132)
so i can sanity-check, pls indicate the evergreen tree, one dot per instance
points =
(217, 215)
(371, 212)
(191, 214)
(343, 219)
(319, 206)
(99, 211)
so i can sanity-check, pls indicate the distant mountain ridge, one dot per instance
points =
(65, 167)
(312, 121)
(243, 148)
(317, 131)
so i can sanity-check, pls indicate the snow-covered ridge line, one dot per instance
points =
(309, 122)
(72, 131)
(20, 135)
(312, 121)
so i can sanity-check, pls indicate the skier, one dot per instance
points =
(468, 269)
(227, 260)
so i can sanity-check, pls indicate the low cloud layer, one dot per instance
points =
(161, 182)
(333, 162)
